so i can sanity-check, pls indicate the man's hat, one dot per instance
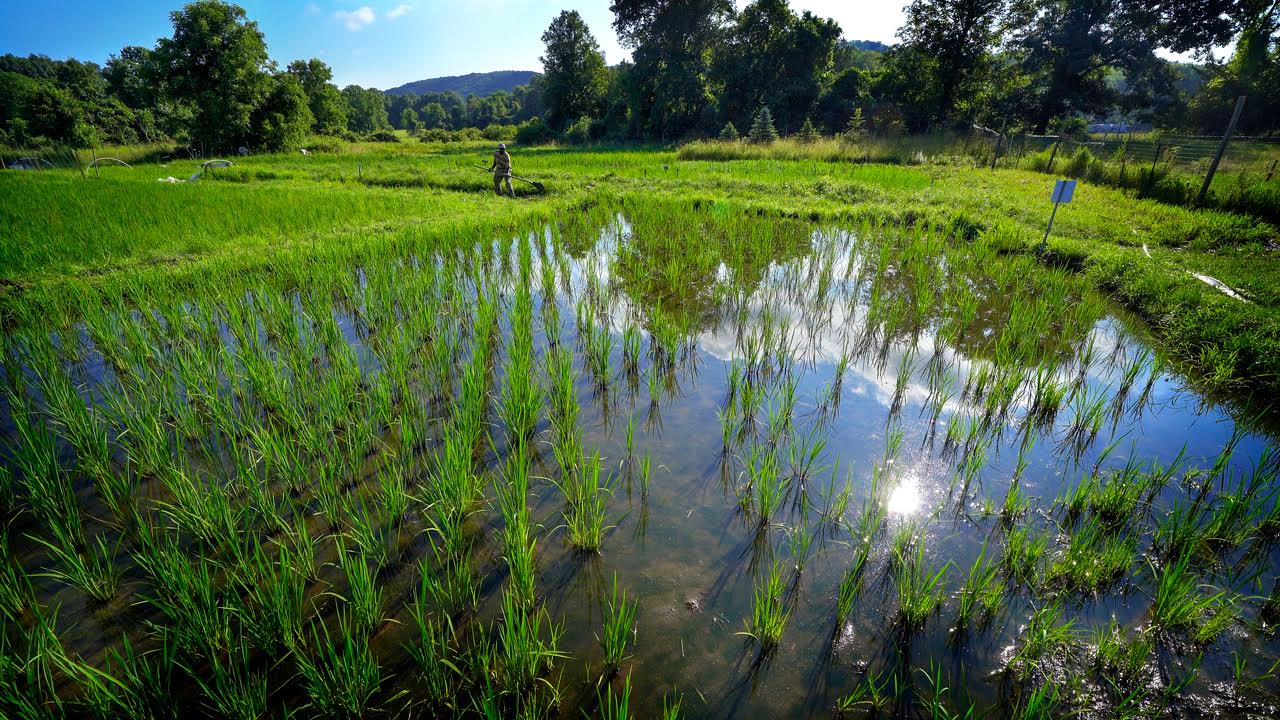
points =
(502, 146)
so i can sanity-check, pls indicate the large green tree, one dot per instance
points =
(216, 63)
(671, 41)
(955, 39)
(575, 80)
(1253, 71)
(131, 76)
(283, 119)
(776, 58)
(1067, 47)
(367, 110)
(324, 99)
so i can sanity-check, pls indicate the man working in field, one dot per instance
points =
(501, 169)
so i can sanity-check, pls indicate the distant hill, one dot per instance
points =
(872, 45)
(473, 84)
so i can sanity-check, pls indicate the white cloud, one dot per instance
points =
(398, 10)
(356, 19)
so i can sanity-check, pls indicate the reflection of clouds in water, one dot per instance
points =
(841, 327)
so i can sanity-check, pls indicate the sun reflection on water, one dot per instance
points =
(905, 498)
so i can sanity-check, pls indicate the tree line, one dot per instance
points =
(697, 68)
(700, 67)
(212, 86)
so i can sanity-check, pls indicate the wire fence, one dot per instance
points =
(1191, 154)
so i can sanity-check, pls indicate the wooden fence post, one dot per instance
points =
(999, 139)
(1151, 176)
(1222, 148)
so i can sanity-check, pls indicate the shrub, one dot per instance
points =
(435, 135)
(579, 132)
(762, 130)
(1079, 162)
(729, 132)
(324, 144)
(382, 136)
(533, 132)
(501, 133)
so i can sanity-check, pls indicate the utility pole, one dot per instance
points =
(1222, 148)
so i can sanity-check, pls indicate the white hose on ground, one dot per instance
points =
(1214, 283)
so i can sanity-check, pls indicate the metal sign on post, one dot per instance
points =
(1063, 191)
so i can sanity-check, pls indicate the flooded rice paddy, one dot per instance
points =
(658, 459)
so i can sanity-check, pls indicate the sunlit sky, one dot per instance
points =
(379, 43)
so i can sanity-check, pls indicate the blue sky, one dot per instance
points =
(367, 42)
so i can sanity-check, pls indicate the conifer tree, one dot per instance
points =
(762, 130)
(808, 133)
(729, 132)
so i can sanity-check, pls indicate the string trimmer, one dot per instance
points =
(536, 185)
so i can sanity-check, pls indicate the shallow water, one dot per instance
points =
(691, 553)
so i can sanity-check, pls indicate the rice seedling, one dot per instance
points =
(631, 349)
(766, 485)
(437, 672)
(47, 487)
(270, 600)
(1125, 660)
(524, 653)
(1093, 558)
(1180, 606)
(1116, 500)
(15, 589)
(805, 457)
(644, 476)
(938, 702)
(92, 571)
(187, 596)
(1041, 703)
(619, 628)
(392, 493)
(851, 583)
(872, 693)
(799, 542)
(366, 530)
(233, 690)
(769, 613)
(143, 683)
(364, 598)
(671, 707)
(1024, 555)
(982, 590)
(616, 707)
(343, 676)
(586, 496)
(1046, 635)
(920, 590)
(631, 437)
(1016, 504)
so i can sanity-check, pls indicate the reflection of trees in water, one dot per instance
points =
(978, 311)
(670, 262)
